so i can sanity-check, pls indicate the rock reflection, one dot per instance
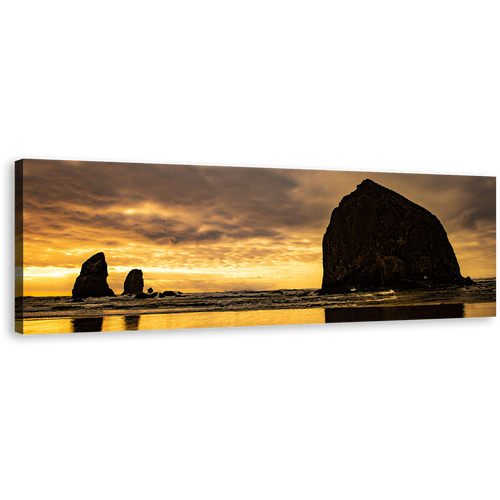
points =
(131, 322)
(433, 311)
(86, 325)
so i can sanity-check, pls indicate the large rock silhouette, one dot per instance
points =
(377, 238)
(134, 282)
(92, 280)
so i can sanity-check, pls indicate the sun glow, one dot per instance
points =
(143, 209)
(48, 272)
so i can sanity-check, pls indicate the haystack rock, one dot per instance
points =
(134, 282)
(377, 238)
(92, 280)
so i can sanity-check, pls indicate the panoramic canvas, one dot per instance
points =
(124, 246)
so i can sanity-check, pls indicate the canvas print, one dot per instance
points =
(104, 246)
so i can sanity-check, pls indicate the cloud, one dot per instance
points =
(198, 217)
(468, 221)
(79, 220)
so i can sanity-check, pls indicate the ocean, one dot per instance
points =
(35, 315)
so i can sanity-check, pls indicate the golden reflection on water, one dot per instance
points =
(219, 319)
(35, 326)
(481, 310)
(232, 318)
(173, 321)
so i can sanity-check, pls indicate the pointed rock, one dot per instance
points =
(134, 282)
(378, 238)
(92, 280)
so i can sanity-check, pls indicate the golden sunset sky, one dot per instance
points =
(207, 228)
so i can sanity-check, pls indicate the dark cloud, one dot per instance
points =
(79, 220)
(223, 225)
(477, 212)
(469, 220)
(237, 203)
(209, 235)
(93, 204)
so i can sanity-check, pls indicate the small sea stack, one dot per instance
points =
(377, 238)
(92, 279)
(134, 283)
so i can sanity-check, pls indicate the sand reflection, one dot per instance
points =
(252, 318)
(86, 324)
(395, 313)
(131, 322)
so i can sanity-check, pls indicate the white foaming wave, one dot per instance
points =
(97, 300)
(36, 309)
(204, 301)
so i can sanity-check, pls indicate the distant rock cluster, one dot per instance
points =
(92, 282)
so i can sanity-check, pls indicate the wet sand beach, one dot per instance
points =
(254, 318)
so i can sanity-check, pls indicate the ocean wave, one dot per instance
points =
(37, 309)
(245, 300)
